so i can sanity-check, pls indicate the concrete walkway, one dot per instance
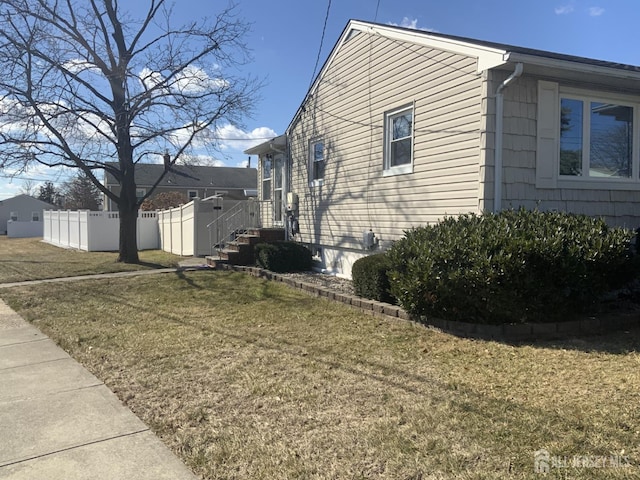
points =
(59, 422)
(192, 263)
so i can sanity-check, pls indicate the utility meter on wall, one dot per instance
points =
(292, 202)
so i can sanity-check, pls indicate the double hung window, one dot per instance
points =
(398, 141)
(316, 162)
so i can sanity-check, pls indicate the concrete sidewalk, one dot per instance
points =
(59, 422)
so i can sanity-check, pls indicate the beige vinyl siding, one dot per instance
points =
(368, 77)
(617, 206)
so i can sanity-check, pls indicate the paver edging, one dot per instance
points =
(515, 332)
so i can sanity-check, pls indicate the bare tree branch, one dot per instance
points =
(88, 86)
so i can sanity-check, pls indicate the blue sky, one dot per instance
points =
(285, 40)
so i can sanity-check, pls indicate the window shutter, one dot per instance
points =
(548, 150)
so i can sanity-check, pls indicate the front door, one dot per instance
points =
(278, 182)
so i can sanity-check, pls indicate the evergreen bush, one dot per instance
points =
(515, 266)
(283, 257)
(370, 280)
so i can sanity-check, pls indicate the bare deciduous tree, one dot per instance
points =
(86, 85)
(28, 187)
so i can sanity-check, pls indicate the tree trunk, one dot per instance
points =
(128, 209)
(128, 246)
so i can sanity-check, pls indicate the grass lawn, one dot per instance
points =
(31, 259)
(245, 378)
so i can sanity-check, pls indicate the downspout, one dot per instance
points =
(497, 177)
(286, 186)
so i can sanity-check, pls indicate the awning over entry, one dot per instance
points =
(275, 145)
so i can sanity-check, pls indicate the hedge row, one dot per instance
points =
(513, 267)
(283, 257)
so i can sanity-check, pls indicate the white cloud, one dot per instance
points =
(150, 79)
(231, 137)
(194, 80)
(9, 189)
(596, 11)
(191, 80)
(564, 9)
(79, 66)
(410, 23)
(229, 140)
(36, 173)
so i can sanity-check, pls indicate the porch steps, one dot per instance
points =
(241, 250)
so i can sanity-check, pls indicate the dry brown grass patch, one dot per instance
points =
(244, 378)
(24, 259)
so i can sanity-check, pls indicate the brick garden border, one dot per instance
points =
(522, 332)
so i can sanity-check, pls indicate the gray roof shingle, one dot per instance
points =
(192, 176)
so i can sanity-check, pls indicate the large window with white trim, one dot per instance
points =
(597, 137)
(398, 141)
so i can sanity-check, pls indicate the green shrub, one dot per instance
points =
(370, 278)
(283, 257)
(515, 266)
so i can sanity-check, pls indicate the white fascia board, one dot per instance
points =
(488, 57)
(571, 66)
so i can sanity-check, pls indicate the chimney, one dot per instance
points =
(249, 162)
(167, 160)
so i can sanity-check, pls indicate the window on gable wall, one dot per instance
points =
(398, 141)
(316, 162)
(266, 177)
(35, 216)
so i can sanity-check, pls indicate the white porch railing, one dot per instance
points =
(242, 217)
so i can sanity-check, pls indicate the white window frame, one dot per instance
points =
(191, 194)
(265, 193)
(277, 200)
(388, 169)
(35, 216)
(588, 97)
(313, 181)
(13, 216)
(140, 192)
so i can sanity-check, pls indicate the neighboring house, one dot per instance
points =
(23, 208)
(194, 181)
(402, 127)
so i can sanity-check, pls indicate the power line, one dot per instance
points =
(20, 177)
(324, 29)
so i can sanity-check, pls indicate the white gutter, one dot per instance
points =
(497, 177)
(575, 66)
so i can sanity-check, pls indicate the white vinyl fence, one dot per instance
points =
(183, 230)
(96, 231)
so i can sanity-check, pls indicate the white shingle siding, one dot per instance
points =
(368, 77)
